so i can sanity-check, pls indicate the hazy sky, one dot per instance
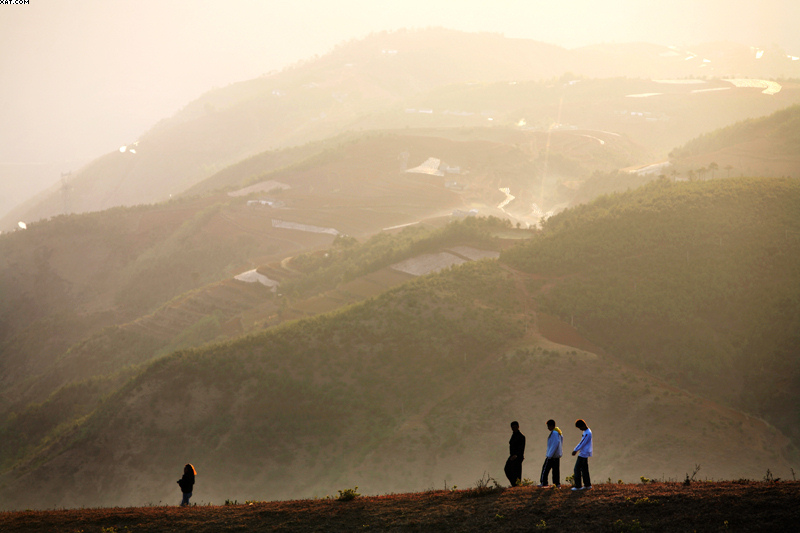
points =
(82, 77)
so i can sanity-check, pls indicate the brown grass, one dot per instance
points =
(701, 506)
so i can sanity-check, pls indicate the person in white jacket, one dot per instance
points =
(552, 461)
(584, 451)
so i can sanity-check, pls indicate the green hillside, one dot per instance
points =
(93, 293)
(696, 282)
(681, 294)
(58, 367)
(413, 388)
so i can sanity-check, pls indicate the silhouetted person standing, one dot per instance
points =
(516, 454)
(186, 483)
(584, 451)
(552, 460)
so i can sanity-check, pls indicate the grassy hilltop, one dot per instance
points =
(638, 300)
(703, 506)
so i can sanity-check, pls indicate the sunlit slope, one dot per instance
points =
(697, 282)
(407, 79)
(250, 169)
(410, 389)
(658, 113)
(703, 60)
(372, 174)
(310, 101)
(767, 146)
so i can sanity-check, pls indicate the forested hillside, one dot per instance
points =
(88, 294)
(696, 282)
(683, 297)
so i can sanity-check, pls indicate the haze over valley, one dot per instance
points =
(357, 269)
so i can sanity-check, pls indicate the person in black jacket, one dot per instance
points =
(516, 454)
(186, 483)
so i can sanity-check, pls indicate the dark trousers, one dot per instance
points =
(582, 471)
(554, 464)
(513, 470)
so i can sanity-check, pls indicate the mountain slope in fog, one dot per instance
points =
(417, 385)
(111, 289)
(766, 146)
(405, 390)
(73, 276)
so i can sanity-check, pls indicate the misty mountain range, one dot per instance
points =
(431, 78)
(357, 271)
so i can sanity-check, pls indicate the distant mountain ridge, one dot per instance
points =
(360, 85)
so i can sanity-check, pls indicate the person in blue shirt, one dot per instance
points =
(584, 451)
(552, 460)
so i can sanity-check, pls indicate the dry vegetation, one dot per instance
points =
(699, 506)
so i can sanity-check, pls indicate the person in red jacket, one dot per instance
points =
(186, 483)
